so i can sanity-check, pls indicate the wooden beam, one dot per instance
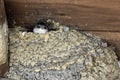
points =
(100, 15)
(113, 4)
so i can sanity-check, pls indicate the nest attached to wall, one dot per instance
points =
(63, 54)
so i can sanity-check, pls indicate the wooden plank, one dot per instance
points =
(101, 15)
(113, 39)
(3, 40)
(104, 3)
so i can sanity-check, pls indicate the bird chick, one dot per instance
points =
(39, 28)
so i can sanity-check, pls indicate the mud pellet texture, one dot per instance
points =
(64, 54)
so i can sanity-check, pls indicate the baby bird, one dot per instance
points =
(40, 28)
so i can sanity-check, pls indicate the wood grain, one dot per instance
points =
(87, 14)
(2, 16)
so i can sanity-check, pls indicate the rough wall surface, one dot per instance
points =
(3, 40)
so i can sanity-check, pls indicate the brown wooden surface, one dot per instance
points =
(1, 12)
(101, 17)
(88, 14)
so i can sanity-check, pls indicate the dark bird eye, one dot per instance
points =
(41, 26)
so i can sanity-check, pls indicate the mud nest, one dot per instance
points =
(63, 54)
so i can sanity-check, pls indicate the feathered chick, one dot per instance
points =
(40, 28)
